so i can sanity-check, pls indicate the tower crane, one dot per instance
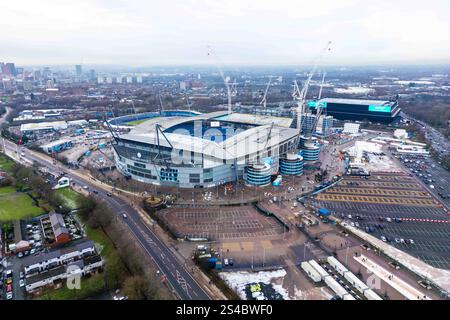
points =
(188, 104)
(230, 86)
(264, 99)
(161, 106)
(134, 109)
(301, 96)
(320, 108)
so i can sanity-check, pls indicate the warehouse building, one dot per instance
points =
(360, 110)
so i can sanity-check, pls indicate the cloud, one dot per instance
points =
(139, 32)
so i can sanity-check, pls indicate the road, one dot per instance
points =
(3, 117)
(184, 285)
(438, 141)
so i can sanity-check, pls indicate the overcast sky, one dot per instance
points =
(278, 32)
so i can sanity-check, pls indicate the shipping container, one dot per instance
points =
(319, 269)
(337, 288)
(371, 295)
(340, 268)
(310, 271)
(356, 282)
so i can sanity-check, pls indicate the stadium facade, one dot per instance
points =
(357, 109)
(205, 150)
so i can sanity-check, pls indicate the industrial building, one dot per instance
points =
(206, 150)
(43, 127)
(356, 109)
(57, 146)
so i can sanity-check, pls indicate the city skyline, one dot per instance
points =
(242, 33)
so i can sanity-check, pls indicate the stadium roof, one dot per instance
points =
(246, 142)
(357, 101)
(55, 125)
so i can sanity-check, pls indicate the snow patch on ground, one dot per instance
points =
(239, 280)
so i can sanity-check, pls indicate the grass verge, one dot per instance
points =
(16, 206)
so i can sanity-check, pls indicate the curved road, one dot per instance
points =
(183, 284)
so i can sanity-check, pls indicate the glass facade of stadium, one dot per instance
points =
(153, 164)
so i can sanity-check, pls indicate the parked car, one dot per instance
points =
(9, 295)
(225, 262)
(124, 215)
